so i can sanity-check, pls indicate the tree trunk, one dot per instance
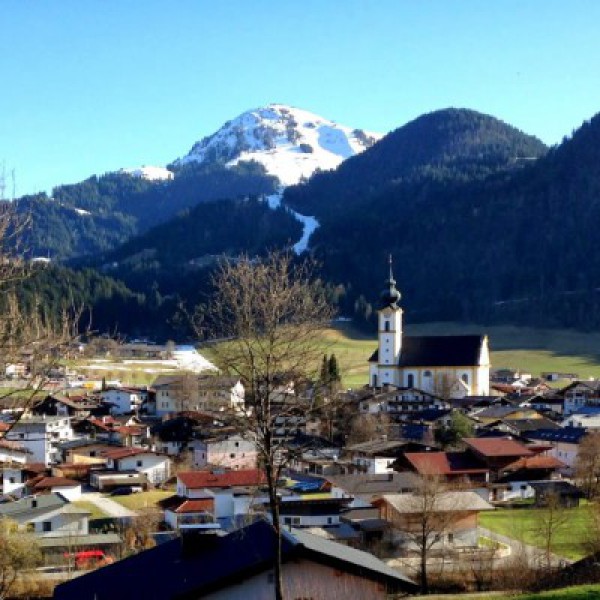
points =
(274, 508)
(424, 584)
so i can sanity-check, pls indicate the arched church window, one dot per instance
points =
(386, 325)
(410, 380)
(427, 374)
(374, 380)
(465, 378)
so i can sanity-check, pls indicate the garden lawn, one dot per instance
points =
(578, 592)
(142, 500)
(96, 513)
(520, 524)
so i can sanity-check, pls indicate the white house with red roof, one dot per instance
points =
(233, 492)
(154, 465)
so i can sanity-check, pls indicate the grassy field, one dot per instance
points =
(142, 499)
(521, 524)
(578, 592)
(524, 348)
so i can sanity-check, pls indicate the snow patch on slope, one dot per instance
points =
(150, 173)
(309, 223)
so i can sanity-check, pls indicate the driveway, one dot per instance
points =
(108, 506)
(535, 555)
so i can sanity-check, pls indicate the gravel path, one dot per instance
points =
(108, 506)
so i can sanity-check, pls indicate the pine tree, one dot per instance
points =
(333, 370)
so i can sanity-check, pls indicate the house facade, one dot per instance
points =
(234, 452)
(41, 436)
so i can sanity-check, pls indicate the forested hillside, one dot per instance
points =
(100, 213)
(484, 223)
(518, 245)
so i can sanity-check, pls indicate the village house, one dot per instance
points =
(233, 452)
(579, 394)
(41, 436)
(563, 444)
(378, 456)
(456, 513)
(233, 492)
(156, 467)
(396, 400)
(61, 528)
(123, 400)
(239, 565)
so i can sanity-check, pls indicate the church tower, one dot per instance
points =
(389, 317)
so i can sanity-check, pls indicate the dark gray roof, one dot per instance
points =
(439, 351)
(32, 506)
(165, 572)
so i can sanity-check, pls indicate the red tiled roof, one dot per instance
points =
(130, 430)
(210, 479)
(193, 506)
(444, 463)
(535, 462)
(491, 447)
(117, 453)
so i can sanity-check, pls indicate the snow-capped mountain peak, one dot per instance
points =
(289, 142)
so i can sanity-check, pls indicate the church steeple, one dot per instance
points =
(390, 296)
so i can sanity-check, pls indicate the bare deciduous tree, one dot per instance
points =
(18, 552)
(427, 517)
(29, 333)
(272, 310)
(587, 464)
(548, 522)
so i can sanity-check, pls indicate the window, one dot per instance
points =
(451, 538)
(374, 380)
(46, 525)
(139, 463)
(386, 325)
(427, 374)
(465, 378)
(12, 480)
(329, 520)
(232, 455)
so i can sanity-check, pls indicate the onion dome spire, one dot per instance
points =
(390, 296)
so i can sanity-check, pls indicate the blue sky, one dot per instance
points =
(91, 86)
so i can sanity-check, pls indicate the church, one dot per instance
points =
(451, 366)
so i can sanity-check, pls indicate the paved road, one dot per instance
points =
(108, 506)
(533, 554)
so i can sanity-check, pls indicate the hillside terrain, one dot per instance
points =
(485, 224)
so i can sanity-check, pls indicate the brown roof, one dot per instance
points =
(50, 482)
(444, 463)
(118, 453)
(491, 447)
(193, 506)
(211, 479)
(535, 462)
